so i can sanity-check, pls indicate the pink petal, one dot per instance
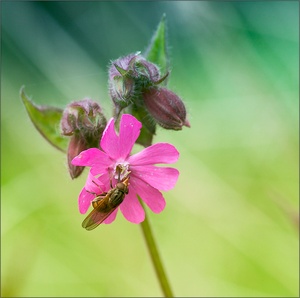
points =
(151, 196)
(110, 141)
(161, 178)
(132, 209)
(157, 153)
(103, 180)
(93, 187)
(92, 157)
(96, 185)
(111, 218)
(130, 129)
(84, 200)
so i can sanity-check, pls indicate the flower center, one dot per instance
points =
(121, 170)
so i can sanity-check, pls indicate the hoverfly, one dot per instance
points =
(105, 204)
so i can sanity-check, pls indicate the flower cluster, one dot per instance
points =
(146, 179)
(135, 82)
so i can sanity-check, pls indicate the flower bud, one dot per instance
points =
(147, 70)
(129, 76)
(76, 145)
(166, 108)
(84, 122)
(122, 85)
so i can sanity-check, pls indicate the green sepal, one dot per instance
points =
(157, 52)
(122, 71)
(46, 120)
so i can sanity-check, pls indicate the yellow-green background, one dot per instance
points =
(230, 224)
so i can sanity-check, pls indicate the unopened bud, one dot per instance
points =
(76, 145)
(84, 122)
(83, 117)
(129, 76)
(166, 108)
(147, 71)
(122, 85)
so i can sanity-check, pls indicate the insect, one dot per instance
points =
(105, 204)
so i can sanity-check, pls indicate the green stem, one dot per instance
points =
(159, 269)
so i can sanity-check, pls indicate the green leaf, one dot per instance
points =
(46, 119)
(157, 50)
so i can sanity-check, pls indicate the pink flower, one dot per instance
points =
(146, 179)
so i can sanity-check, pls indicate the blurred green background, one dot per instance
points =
(230, 225)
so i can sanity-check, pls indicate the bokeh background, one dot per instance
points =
(230, 227)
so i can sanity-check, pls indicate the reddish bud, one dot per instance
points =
(76, 145)
(166, 108)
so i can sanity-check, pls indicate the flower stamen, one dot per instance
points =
(121, 171)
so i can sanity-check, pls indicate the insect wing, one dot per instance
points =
(104, 205)
(100, 212)
(95, 218)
